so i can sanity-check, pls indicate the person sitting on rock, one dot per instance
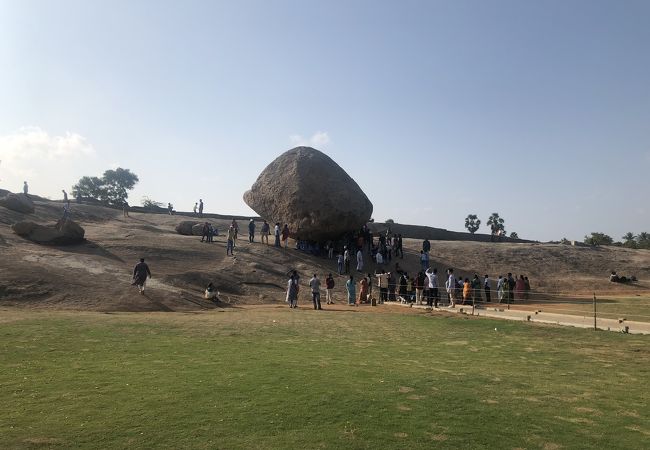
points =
(211, 292)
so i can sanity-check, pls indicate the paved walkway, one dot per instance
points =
(584, 321)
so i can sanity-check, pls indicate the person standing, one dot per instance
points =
(511, 287)
(277, 234)
(467, 291)
(500, 291)
(520, 287)
(399, 246)
(426, 246)
(292, 292)
(339, 263)
(205, 232)
(401, 290)
(285, 235)
(329, 288)
(200, 207)
(486, 288)
(382, 284)
(363, 291)
(140, 273)
(346, 259)
(196, 207)
(424, 260)
(265, 230)
(25, 188)
(170, 209)
(359, 261)
(419, 287)
(235, 228)
(65, 197)
(251, 231)
(230, 245)
(125, 209)
(432, 298)
(314, 284)
(351, 290)
(476, 290)
(450, 285)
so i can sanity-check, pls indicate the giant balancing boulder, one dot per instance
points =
(18, 202)
(65, 232)
(307, 190)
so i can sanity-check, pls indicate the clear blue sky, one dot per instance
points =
(537, 110)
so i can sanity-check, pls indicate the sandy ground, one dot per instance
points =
(96, 275)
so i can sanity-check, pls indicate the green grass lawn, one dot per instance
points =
(277, 378)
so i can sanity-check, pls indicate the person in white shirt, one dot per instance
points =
(346, 260)
(486, 288)
(359, 261)
(451, 288)
(432, 298)
(314, 284)
(380, 259)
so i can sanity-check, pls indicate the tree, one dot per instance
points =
(496, 224)
(116, 183)
(391, 221)
(629, 240)
(111, 188)
(472, 223)
(643, 240)
(598, 239)
(90, 187)
(150, 204)
(514, 235)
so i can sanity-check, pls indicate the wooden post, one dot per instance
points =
(595, 325)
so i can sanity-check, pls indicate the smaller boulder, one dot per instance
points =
(18, 202)
(65, 232)
(186, 226)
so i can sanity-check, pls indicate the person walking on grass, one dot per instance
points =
(140, 273)
(351, 290)
(292, 292)
(329, 286)
(314, 284)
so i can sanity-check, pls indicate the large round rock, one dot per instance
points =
(65, 232)
(307, 190)
(18, 202)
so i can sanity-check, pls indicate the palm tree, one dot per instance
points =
(472, 223)
(629, 240)
(643, 240)
(496, 224)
